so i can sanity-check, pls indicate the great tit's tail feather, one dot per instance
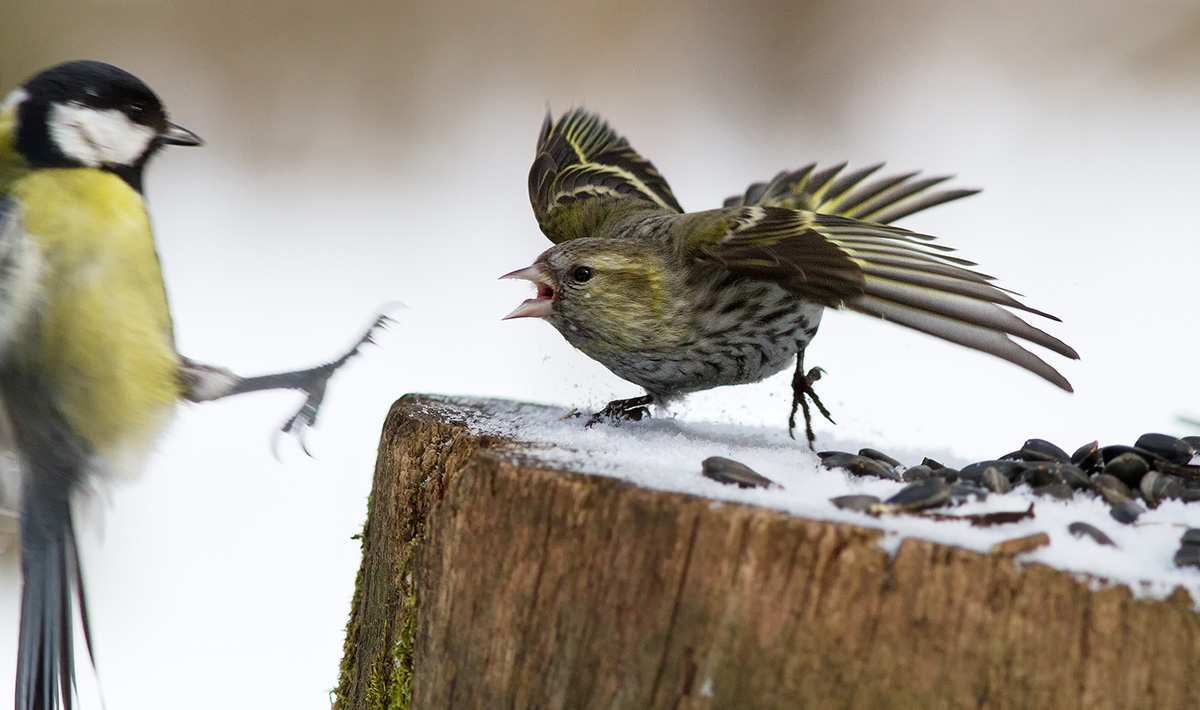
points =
(45, 655)
(55, 462)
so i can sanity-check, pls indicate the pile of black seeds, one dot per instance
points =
(1129, 479)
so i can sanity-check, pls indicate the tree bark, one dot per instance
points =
(489, 581)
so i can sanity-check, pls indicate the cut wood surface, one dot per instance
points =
(490, 581)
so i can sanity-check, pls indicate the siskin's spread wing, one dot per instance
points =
(876, 269)
(583, 171)
(850, 194)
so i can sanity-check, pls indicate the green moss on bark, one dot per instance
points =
(353, 624)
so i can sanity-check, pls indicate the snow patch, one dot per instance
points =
(665, 454)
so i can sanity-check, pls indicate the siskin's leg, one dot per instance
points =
(802, 391)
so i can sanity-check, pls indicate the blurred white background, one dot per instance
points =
(365, 153)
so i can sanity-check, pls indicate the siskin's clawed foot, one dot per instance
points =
(802, 392)
(634, 409)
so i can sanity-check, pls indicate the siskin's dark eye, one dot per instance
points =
(582, 273)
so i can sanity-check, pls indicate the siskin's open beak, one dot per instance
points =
(542, 305)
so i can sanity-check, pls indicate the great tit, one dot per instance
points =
(89, 373)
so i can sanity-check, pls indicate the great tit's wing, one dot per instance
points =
(583, 170)
(18, 271)
(10, 480)
(850, 194)
(880, 270)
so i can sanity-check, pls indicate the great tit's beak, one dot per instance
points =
(542, 305)
(178, 135)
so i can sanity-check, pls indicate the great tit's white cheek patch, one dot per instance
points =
(96, 137)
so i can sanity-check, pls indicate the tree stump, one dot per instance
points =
(489, 581)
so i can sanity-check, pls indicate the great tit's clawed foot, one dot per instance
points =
(802, 391)
(634, 409)
(204, 383)
(313, 382)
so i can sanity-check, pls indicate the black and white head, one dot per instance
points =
(94, 115)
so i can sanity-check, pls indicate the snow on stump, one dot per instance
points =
(491, 580)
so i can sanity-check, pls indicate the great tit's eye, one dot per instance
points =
(582, 274)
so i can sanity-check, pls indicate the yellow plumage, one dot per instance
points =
(100, 329)
(97, 329)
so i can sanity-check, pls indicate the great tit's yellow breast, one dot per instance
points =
(101, 333)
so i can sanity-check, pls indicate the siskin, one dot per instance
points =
(678, 302)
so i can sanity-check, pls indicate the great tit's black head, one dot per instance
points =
(92, 114)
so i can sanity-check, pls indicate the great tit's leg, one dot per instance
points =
(802, 391)
(205, 383)
(621, 410)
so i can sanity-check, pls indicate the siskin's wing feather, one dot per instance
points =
(582, 170)
(849, 194)
(879, 270)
